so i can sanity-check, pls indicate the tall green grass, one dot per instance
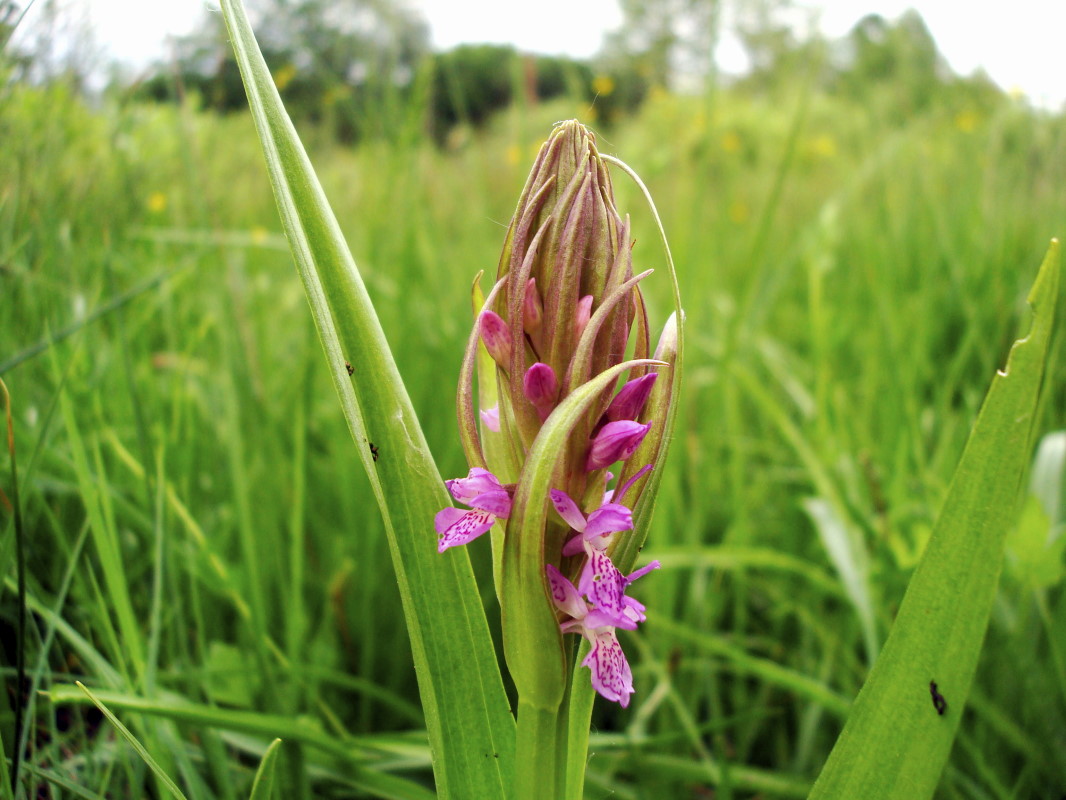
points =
(204, 551)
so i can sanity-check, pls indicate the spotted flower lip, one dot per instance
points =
(612, 677)
(605, 587)
(488, 499)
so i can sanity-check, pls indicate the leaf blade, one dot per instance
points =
(896, 742)
(467, 714)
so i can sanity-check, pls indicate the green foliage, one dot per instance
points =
(893, 745)
(868, 277)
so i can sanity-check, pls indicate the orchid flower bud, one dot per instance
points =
(616, 441)
(533, 308)
(541, 388)
(584, 312)
(497, 337)
(629, 402)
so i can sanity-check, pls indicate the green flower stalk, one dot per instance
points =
(563, 326)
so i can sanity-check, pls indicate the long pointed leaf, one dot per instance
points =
(263, 786)
(467, 715)
(135, 744)
(899, 734)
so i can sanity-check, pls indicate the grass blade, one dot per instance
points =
(263, 786)
(164, 779)
(898, 737)
(467, 714)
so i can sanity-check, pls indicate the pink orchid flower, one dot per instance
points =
(488, 499)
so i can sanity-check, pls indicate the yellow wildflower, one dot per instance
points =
(283, 77)
(603, 85)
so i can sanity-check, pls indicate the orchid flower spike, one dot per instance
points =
(547, 351)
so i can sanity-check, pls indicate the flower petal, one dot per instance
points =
(640, 573)
(568, 510)
(478, 481)
(564, 595)
(456, 527)
(628, 403)
(497, 503)
(574, 545)
(640, 473)
(608, 518)
(604, 586)
(584, 314)
(611, 675)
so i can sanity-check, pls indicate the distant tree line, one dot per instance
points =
(361, 68)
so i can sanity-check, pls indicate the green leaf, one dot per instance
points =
(470, 727)
(263, 785)
(895, 743)
(135, 744)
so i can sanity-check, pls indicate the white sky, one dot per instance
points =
(1019, 43)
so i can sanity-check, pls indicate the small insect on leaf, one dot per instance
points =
(373, 450)
(348, 366)
(940, 703)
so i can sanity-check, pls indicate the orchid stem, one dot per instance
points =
(535, 756)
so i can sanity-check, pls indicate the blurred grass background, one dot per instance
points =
(199, 530)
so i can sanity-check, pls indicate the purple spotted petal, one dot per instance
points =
(627, 620)
(568, 510)
(496, 503)
(456, 527)
(616, 441)
(611, 675)
(634, 613)
(628, 403)
(604, 586)
(564, 595)
(478, 481)
(608, 518)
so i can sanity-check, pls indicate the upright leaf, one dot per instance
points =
(470, 727)
(263, 786)
(899, 734)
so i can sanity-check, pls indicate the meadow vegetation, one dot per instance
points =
(204, 550)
